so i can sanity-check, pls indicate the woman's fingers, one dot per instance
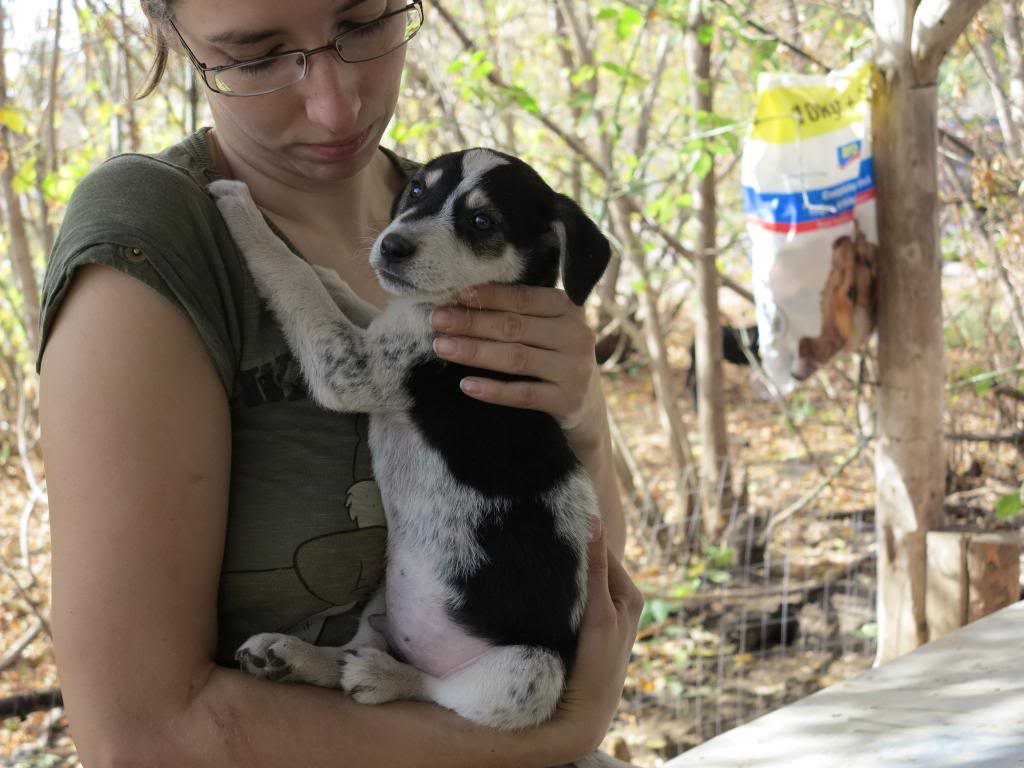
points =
(531, 333)
(515, 358)
(521, 299)
(555, 332)
(607, 633)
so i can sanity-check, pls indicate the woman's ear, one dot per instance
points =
(585, 252)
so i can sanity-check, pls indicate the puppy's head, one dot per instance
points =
(480, 216)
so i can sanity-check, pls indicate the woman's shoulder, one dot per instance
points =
(142, 191)
(150, 216)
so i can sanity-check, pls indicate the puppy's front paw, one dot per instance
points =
(371, 676)
(239, 210)
(272, 656)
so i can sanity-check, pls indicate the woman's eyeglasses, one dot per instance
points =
(272, 73)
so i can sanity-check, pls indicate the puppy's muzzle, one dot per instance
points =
(396, 249)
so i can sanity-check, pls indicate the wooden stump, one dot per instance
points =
(970, 575)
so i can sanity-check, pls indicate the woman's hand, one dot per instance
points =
(607, 633)
(527, 331)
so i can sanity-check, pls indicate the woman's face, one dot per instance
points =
(324, 128)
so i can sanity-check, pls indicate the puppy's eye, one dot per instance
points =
(483, 222)
(416, 190)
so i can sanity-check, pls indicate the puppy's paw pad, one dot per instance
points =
(371, 676)
(269, 656)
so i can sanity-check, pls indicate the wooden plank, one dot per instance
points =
(970, 575)
(993, 572)
(958, 701)
(946, 599)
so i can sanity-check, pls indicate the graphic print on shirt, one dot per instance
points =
(300, 558)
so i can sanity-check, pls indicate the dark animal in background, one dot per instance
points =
(739, 345)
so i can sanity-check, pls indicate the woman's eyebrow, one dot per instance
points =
(235, 37)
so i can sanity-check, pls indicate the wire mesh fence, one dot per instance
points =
(761, 617)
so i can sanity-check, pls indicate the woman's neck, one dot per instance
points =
(349, 210)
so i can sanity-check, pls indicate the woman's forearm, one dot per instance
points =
(237, 720)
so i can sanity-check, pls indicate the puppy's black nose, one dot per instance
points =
(397, 248)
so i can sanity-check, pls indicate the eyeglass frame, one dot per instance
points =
(334, 45)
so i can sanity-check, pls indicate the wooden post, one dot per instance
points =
(970, 575)
(913, 37)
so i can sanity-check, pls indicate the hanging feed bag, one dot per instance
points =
(809, 199)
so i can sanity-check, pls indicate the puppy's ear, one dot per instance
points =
(585, 252)
(400, 197)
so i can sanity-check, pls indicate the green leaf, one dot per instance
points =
(719, 577)
(629, 20)
(1009, 506)
(705, 34)
(523, 98)
(655, 611)
(25, 178)
(867, 631)
(12, 119)
(703, 165)
(581, 100)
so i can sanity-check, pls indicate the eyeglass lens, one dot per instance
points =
(365, 42)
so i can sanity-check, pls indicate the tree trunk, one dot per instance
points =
(21, 254)
(910, 462)
(1004, 111)
(657, 351)
(714, 471)
(129, 89)
(791, 17)
(1015, 63)
(50, 160)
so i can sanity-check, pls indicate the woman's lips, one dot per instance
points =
(339, 150)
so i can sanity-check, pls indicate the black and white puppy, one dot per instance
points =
(488, 509)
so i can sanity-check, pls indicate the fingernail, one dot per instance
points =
(596, 528)
(441, 319)
(470, 386)
(444, 346)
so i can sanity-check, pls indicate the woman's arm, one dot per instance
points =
(539, 332)
(137, 448)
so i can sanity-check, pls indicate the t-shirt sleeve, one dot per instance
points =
(150, 220)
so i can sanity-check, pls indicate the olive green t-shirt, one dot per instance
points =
(305, 529)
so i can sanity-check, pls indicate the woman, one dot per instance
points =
(197, 495)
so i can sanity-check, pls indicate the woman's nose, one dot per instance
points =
(331, 93)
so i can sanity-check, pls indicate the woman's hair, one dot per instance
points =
(158, 12)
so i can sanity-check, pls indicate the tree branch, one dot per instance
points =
(495, 78)
(1014, 438)
(937, 25)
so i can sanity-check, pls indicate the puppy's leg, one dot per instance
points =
(344, 371)
(512, 686)
(284, 658)
(358, 311)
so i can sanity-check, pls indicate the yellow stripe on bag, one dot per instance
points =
(787, 114)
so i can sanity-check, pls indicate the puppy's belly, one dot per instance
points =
(418, 624)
